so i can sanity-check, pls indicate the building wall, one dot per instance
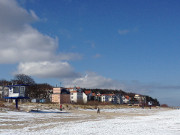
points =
(65, 99)
(73, 97)
(104, 98)
(56, 90)
(125, 100)
(118, 99)
(56, 95)
(56, 98)
(78, 97)
(85, 98)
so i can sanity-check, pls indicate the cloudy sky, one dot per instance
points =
(131, 45)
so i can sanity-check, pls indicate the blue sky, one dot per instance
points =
(121, 44)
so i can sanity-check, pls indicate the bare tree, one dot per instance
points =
(40, 91)
(23, 79)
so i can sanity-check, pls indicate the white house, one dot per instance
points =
(104, 98)
(126, 99)
(107, 97)
(77, 95)
(89, 94)
(85, 98)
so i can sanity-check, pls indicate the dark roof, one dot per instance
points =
(64, 91)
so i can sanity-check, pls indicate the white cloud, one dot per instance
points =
(22, 44)
(27, 45)
(93, 80)
(13, 17)
(47, 69)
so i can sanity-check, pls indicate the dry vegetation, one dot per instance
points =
(46, 106)
(43, 106)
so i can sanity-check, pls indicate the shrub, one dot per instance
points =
(164, 105)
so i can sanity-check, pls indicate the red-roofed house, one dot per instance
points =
(89, 94)
(126, 99)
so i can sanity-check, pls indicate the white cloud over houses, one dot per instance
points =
(35, 53)
(93, 80)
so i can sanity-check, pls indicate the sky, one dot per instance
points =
(131, 45)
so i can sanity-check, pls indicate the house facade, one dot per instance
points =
(107, 97)
(141, 100)
(126, 99)
(85, 98)
(117, 99)
(89, 94)
(77, 95)
(56, 95)
(61, 96)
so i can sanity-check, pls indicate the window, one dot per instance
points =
(22, 90)
(15, 89)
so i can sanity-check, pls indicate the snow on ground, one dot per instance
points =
(130, 110)
(161, 122)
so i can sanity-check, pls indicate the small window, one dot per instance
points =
(15, 89)
(22, 88)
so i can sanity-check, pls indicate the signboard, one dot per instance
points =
(15, 91)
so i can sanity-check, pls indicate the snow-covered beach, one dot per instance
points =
(134, 121)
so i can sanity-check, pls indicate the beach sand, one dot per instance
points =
(49, 120)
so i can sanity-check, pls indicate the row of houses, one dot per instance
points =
(77, 95)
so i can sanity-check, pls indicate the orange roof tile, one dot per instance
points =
(87, 91)
(73, 91)
(127, 97)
